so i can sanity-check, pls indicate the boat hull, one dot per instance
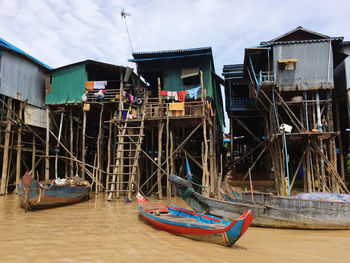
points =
(271, 211)
(34, 196)
(227, 234)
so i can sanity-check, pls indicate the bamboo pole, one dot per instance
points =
(99, 146)
(168, 189)
(19, 146)
(160, 131)
(340, 142)
(172, 165)
(212, 161)
(71, 140)
(33, 157)
(109, 150)
(47, 145)
(58, 145)
(83, 146)
(159, 174)
(3, 189)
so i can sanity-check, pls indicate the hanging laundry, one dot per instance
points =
(91, 85)
(173, 94)
(177, 106)
(100, 84)
(163, 93)
(192, 93)
(181, 95)
(131, 98)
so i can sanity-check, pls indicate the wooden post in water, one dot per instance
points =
(109, 145)
(71, 140)
(160, 132)
(19, 145)
(47, 145)
(204, 124)
(83, 146)
(3, 189)
(212, 161)
(99, 150)
(168, 185)
(33, 157)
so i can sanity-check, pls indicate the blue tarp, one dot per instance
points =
(8, 45)
(323, 197)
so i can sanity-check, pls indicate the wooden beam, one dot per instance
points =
(47, 145)
(330, 165)
(19, 145)
(3, 186)
(192, 158)
(296, 171)
(247, 129)
(83, 146)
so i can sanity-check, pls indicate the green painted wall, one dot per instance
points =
(67, 85)
(172, 78)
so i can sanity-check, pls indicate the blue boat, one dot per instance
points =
(45, 194)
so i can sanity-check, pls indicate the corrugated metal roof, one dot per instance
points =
(300, 28)
(170, 54)
(233, 67)
(88, 61)
(302, 41)
(9, 46)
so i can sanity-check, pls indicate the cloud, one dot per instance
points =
(60, 32)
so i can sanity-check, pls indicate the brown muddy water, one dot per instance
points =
(101, 231)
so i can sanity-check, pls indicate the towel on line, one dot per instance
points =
(192, 93)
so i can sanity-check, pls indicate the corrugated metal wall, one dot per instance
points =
(314, 68)
(346, 50)
(67, 85)
(19, 75)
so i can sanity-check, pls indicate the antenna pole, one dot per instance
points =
(123, 14)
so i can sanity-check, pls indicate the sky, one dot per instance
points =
(61, 32)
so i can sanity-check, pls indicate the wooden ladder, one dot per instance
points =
(130, 134)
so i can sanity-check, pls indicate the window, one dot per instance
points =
(287, 64)
(190, 76)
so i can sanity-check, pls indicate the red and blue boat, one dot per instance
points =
(45, 194)
(194, 225)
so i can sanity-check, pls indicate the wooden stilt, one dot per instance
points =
(19, 146)
(205, 161)
(71, 140)
(83, 146)
(168, 189)
(159, 161)
(58, 145)
(77, 146)
(47, 145)
(340, 143)
(3, 189)
(99, 146)
(211, 161)
(33, 157)
(160, 132)
(109, 150)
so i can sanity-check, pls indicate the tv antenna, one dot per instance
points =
(124, 15)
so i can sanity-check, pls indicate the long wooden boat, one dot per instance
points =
(269, 210)
(194, 225)
(45, 194)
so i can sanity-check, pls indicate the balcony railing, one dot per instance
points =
(154, 110)
(266, 77)
(110, 95)
(242, 104)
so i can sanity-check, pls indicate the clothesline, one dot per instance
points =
(181, 95)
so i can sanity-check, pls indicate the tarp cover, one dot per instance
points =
(323, 197)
